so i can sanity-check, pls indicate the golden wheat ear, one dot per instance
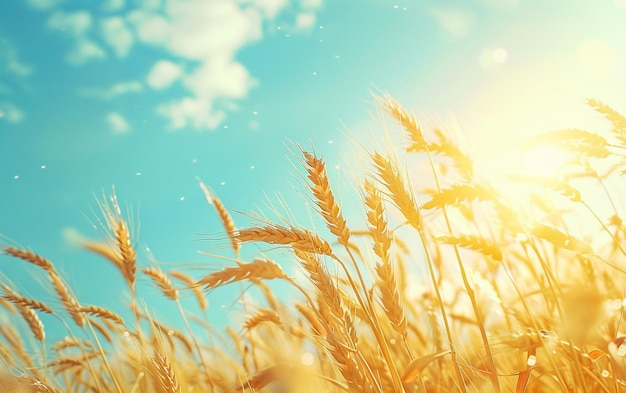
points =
(165, 372)
(162, 281)
(224, 215)
(325, 199)
(618, 121)
(263, 269)
(387, 284)
(125, 256)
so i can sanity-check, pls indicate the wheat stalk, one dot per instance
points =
(458, 193)
(262, 316)
(301, 239)
(22, 301)
(190, 282)
(162, 281)
(310, 315)
(617, 119)
(387, 284)
(225, 217)
(68, 301)
(102, 313)
(475, 243)
(408, 122)
(31, 257)
(263, 269)
(165, 372)
(324, 198)
(402, 198)
(33, 321)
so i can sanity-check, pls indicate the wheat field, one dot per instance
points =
(449, 283)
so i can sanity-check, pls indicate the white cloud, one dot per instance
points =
(270, 8)
(114, 5)
(205, 29)
(117, 123)
(221, 78)
(15, 66)
(197, 29)
(151, 28)
(113, 91)
(209, 33)
(206, 36)
(83, 51)
(197, 113)
(163, 74)
(454, 23)
(77, 24)
(11, 113)
(305, 20)
(117, 35)
(43, 5)
(11, 60)
(203, 35)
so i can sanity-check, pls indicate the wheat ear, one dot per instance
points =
(261, 316)
(68, 301)
(224, 215)
(301, 239)
(30, 257)
(18, 300)
(162, 281)
(264, 269)
(167, 377)
(408, 122)
(324, 198)
(387, 284)
(402, 198)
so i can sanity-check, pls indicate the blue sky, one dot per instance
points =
(147, 95)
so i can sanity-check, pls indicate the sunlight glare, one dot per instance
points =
(492, 57)
(499, 55)
(504, 161)
(596, 57)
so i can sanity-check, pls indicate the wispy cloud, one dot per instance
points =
(43, 5)
(13, 73)
(305, 20)
(117, 34)
(270, 8)
(113, 91)
(163, 74)
(454, 23)
(12, 63)
(197, 113)
(78, 25)
(117, 123)
(113, 5)
(11, 113)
